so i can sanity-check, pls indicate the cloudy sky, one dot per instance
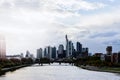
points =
(31, 24)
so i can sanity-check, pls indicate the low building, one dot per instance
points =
(98, 54)
(118, 57)
(85, 52)
(102, 57)
(14, 57)
(114, 58)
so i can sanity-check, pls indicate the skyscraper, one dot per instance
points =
(60, 51)
(69, 48)
(39, 53)
(78, 49)
(2, 47)
(45, 53)
(54, 53)
(109, 50)
(49, 52)
(27, 54)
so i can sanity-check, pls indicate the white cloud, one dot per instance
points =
(112, 0)
(30, 24)
(60, 5)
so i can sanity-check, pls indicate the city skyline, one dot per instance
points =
(60, 52)
(30, 24)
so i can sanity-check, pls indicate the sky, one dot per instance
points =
(33, 24)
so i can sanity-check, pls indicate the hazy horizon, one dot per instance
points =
(33, 24)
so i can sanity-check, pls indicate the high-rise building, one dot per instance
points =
(79, 47)
(45, 53)
(54, 53)
(49, 52)
(28, 55)
(2, 47)
(109, 50)
(60, 51)
(39, 53)
(69, 48)
(78, 50)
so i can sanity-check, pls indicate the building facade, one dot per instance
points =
(39, 53)
(54, 53)
(69, 48)
(2, 47)
(60, 51)
(78, 49)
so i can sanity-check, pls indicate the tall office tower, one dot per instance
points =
(78, 49)
(39, 53)
(60, 51)
(67, 46)
(109, 50)
(2, 47)
(54, 53)
(45, 53)
(71, 49)
(28, 55)
(49, 52)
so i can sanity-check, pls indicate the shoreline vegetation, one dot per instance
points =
(7, 65)
(94, 63)
(4, 70)
(90, 63)
(101, 69)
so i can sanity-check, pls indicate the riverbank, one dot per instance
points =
(4, 70)
(101, 69)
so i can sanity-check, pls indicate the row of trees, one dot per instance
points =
(95, 61)
(7, 63)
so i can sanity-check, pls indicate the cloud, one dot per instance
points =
(113, 42)
(30, 24)
(59, 5)
(104, 34)
(100, 19)
(111, 0)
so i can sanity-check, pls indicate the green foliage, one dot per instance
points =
(44, 60)
(26, 61)
(7, 63)
(95, 61)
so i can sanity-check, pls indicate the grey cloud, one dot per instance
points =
(6, 5)
(27, 3)
(112, 42)
(103, 34)
(83, 33)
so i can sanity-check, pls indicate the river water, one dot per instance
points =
(58, 72)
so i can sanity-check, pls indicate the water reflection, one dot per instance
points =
(58, 72)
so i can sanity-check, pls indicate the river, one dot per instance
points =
(57, 72)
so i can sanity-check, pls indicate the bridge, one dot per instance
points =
(48, 61)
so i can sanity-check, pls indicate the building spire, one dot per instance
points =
(66, 37)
